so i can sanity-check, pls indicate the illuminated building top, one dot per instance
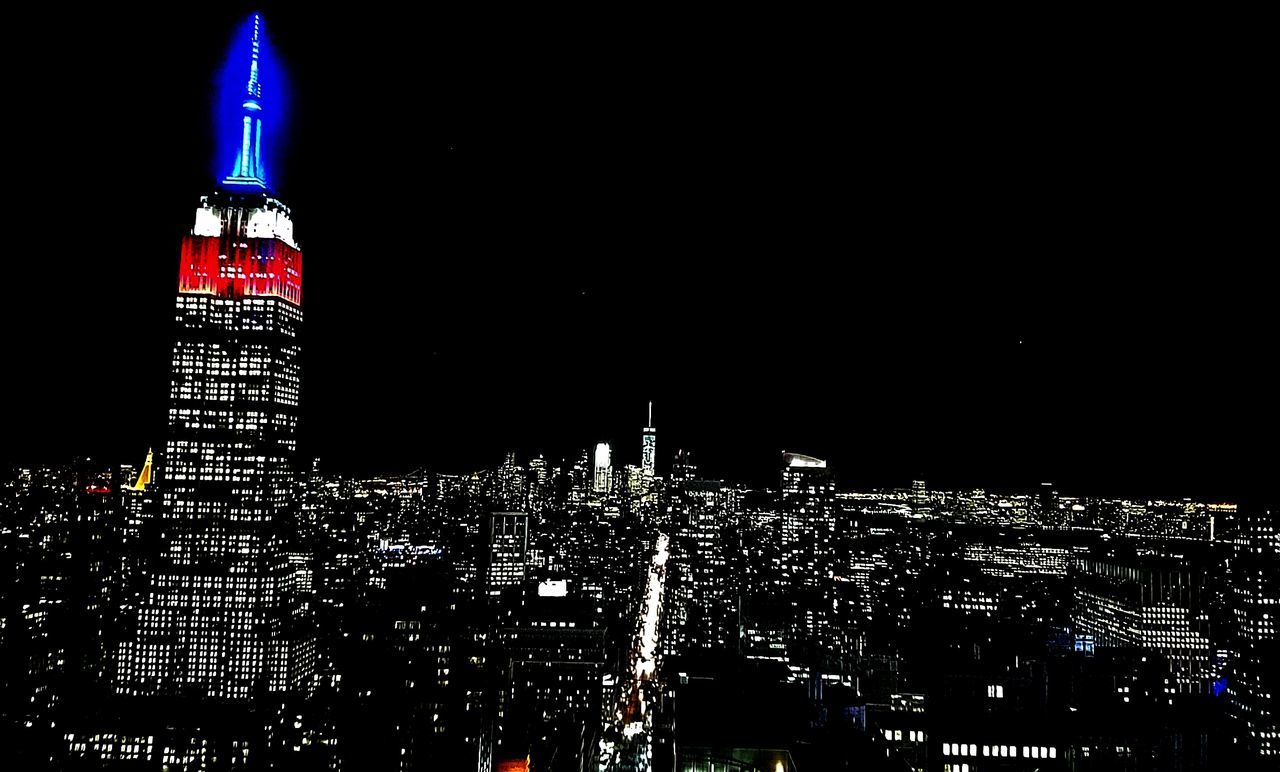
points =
(248, 169)
(144, 477)
(648, 459)
(242, 245)
(799, 460)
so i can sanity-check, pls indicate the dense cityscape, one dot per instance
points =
(226, 601)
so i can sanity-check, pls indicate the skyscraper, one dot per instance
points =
(1254, 678)
(553, 655)
(683, 468)
(808, 518)
(602, 476)
(1158, 603)
(508, 549)
(919, 495)
(219, 621)
(648, 448)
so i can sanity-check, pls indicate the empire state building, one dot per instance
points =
(218, 620)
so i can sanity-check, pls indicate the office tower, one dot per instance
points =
(602, 476)
(580, 480)
(1158, 603)
(919, 495)
(702, 594)
(508, 551)
(649, 447)
(1049, 514)
(219, 621)
(634, 481)
(75, 579)
(1253, 680)
(808, 518)
(510, 483)
(539, 486)
(683, 469)
(552, 652)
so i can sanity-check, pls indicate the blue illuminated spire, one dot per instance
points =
(248, 169)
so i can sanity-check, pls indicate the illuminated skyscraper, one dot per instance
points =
(580, 480)
(511, 484)
(602, 476)
(808, 518)
(648, 448)
(508, 550)
(219, 620)
(1153, 602)
(683, 468)
(1253, 681)
(919, 495)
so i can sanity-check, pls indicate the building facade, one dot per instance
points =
(219, 619)
(508, 551)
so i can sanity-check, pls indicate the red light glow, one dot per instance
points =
(239, 268)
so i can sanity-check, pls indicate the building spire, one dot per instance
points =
(144, 477)
(247, 170)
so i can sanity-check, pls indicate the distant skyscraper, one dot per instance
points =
(1050, 514)
(508, 551)
(808, 518)
(580, 480)
(602, 477)
(649, 447)
(919, 494)
(511, 483)
(217, 621)
(539, 484)
(683, 469)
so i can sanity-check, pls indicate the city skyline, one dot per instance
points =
(725, 461)
(954, 330)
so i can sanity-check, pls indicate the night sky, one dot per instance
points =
(981, 251)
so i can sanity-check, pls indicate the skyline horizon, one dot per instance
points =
(655, 401)
(842, 478)
(763, 303)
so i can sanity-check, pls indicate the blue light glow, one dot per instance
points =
(249, 115)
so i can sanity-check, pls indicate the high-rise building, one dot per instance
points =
(808, 518)
(602, 476)
(683, 468)
(511, 483)
(508, 551)
(649, 447)
(580, 481)
(1146, 601)
(1253, 681)
(919, 495)
(553, 656)
(1049, 513)
(539, 484)
(219, 620)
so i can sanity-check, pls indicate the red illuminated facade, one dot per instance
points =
(242, 246)
(233, 268)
